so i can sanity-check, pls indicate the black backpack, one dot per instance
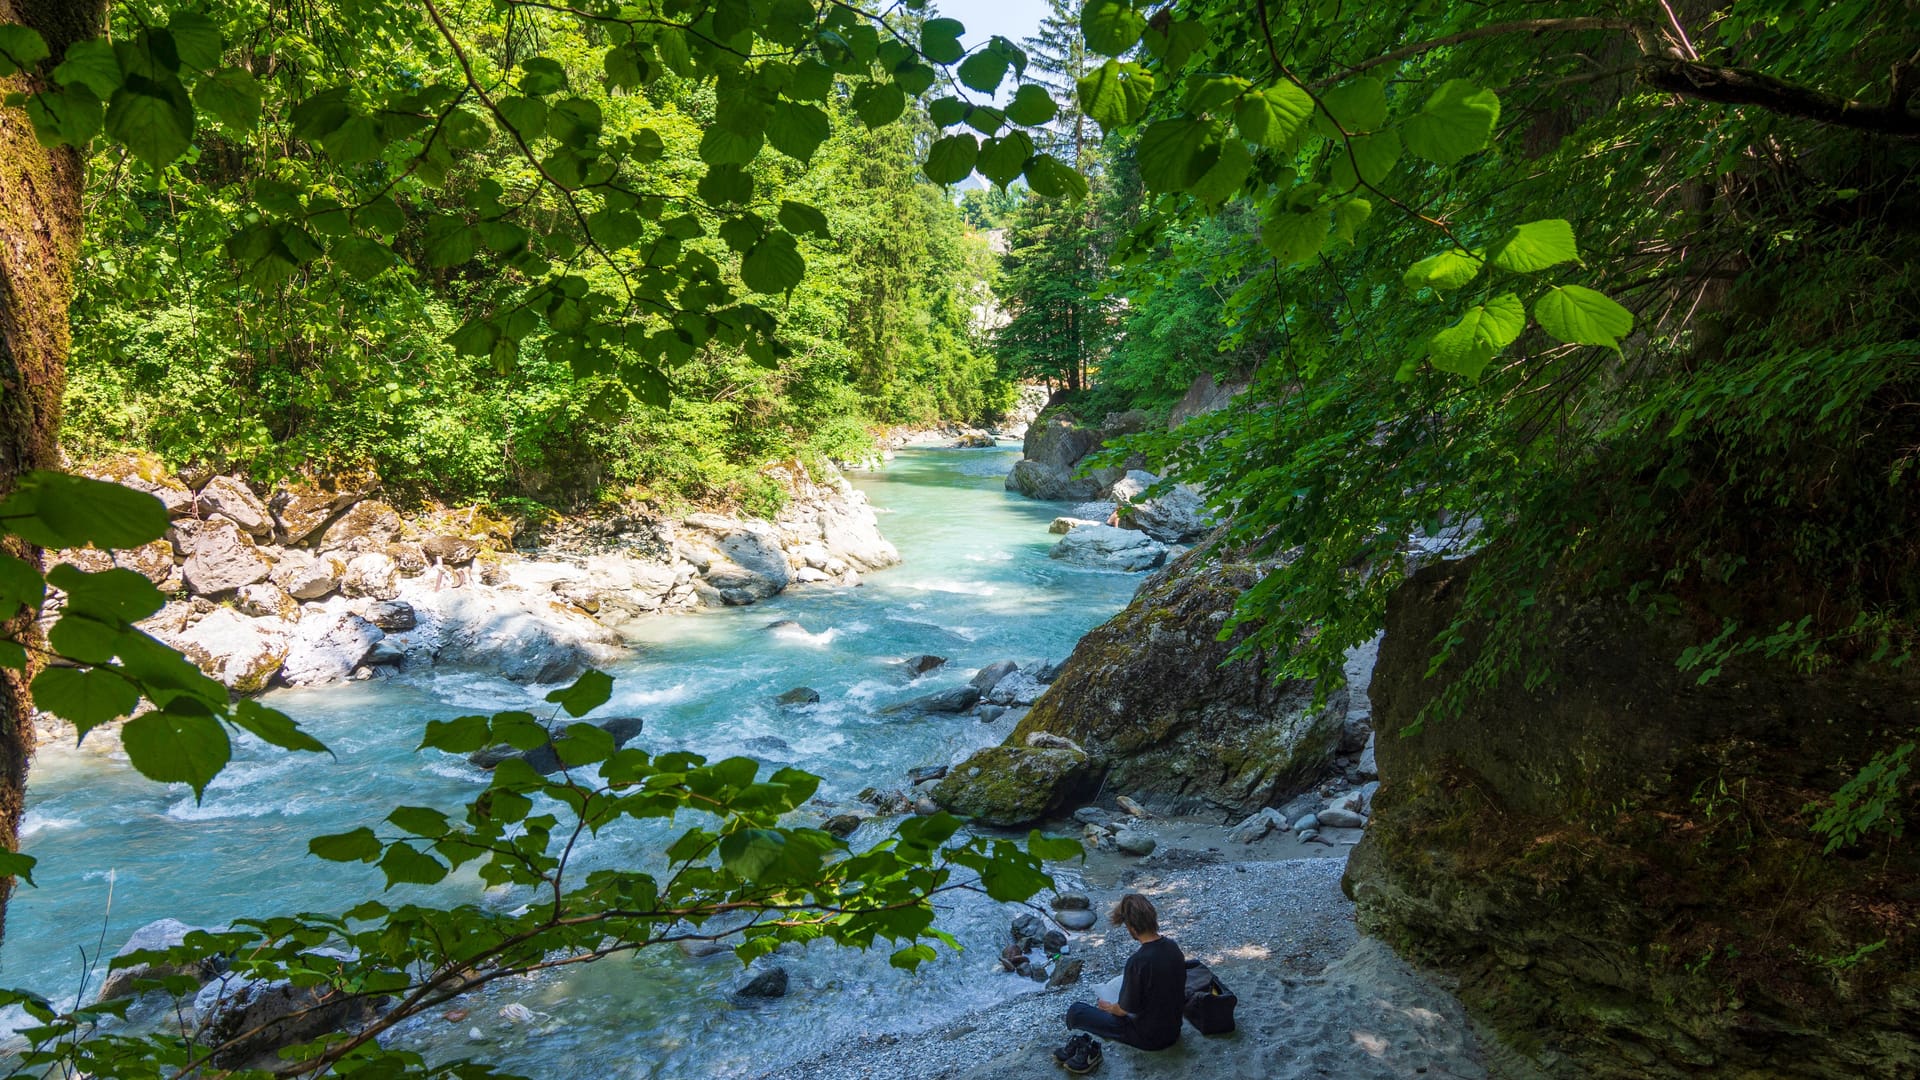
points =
(1210, 1004)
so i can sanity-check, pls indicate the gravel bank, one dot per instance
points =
(1315, 1000)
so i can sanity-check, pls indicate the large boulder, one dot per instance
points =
(307, 577)
(372, 574)
(222, 558)
(154, 561)
(242, 653)
(146, 473)
(1617, 861)
(328, 651)
(247, 1021)
(1051, 455)
(230, 497)
(523, 638)
(1162, 712)
(1204, 395)
(1104, 547)
(1013, 785)
(369, 526)
(1175, 517)
(158, 936)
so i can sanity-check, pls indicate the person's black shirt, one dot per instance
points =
(1153, 992)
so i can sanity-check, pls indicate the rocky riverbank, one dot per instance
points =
(312, 583)
(1316, 1000)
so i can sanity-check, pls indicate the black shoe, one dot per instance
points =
(1075, 1047)
(1085, 1059)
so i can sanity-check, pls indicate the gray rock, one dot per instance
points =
(242, 653)
(298, 516)
(919, 665)
(1306, 822)
(232, 499)
(371, 574)
(842, 825)
(925, 807)
(767, 744)
(1072, 900)
(1027, 929)
(1066, 973)
(307, 578)
(769, 984)
(1341, 818)
(1368, 768)
(990, 676)
(700, 950)
(989, 713)
(1076, 920)
(1257, 825)
(1341, 837)
(157, 936)
(1104, 547)
(257, 1017)
(1018, 688)
(959, 699)
(222, 559)
(1052, 942)
(1299, 806)
(545, 759)
(1044, 671)
(1176, 517)
(1134, 843)
(390, 615)
(1064, 525)
(799, 695)
(1308, 836)
(369, 526)
(333, 651)
(1092, 815)
(523, 639)
(265, 600)
(384, 654)
(922, 773)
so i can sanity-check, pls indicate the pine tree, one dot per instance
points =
(1057, 59)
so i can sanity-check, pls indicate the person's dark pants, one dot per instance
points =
(1102, 1025)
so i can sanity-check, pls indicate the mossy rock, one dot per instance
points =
(1014, 785)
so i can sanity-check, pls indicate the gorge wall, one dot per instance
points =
(1618, 864)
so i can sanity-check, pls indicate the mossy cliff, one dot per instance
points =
(1162, 713)
(1618, 865)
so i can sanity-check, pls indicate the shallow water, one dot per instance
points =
(117, 851)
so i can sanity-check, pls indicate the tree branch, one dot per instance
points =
(1738, 86)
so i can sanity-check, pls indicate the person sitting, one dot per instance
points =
(1153, 990)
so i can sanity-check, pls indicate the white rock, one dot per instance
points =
(242, 653)
(523, 638)
(263, 599)
(372, 574)
(1107, 548)
(231, 498)
(222, 559)
(328, 651)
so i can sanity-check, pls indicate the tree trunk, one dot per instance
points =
(40, 193)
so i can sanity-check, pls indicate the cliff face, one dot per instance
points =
(1619, 865)
(1161, 713)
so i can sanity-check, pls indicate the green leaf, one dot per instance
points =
(233, 96)
(1174, 40)
(1447, 270)
(463, 735)
(724, 146)
(940, 40)
(797, 130)
(196, 40)
(1111, 27)
(797, 217)
(577, 122)
(542, 76)
(1458, 119)
(590, 691)
(1360, 105)
(59, 510)
(947, 111)
(152, 118)
(1466, 347)
(774, 856)
(20, 585)
(1052, 178)
(984, 69)
(91, 64)
(879, 104)
(628, 66)
(363, 259)
(360, 845)
(1275, 117)
(725, 184)
(404, 866)
(70, 118)
(1348, 215)
(527, 116)
(275, 728)
(1115, 94)
(1580, 316)
(583, 744)
(1174, 153)
(912, 956)
(420, 821)
(1031, 105)
(1375, 155)
(1227, 176)
(950, 159)
(15, 865)
(1003, 159)
(20, 48)
(774, 265)
(86, 698)
(1053, 849)
(1537, 245)
(178, 748)
(1294, 237)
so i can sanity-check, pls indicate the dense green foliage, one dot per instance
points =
(304, 366)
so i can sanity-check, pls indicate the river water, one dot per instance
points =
(117, 851)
